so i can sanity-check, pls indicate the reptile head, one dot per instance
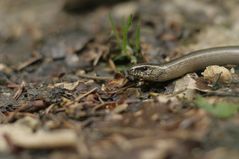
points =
(145, 72)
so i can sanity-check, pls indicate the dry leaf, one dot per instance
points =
(185, 87)
(217, 74)
(20, 135)
(5, 69)
(66, 85)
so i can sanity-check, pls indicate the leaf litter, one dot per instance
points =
(68, 99)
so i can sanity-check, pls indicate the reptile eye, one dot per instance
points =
(143, 69)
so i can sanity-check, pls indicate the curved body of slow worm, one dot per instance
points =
(191, 62)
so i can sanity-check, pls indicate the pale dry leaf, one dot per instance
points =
(66, 85)
(217, 74)
(44, 140)
(16, 130)
(172, 101)
(120, 108)
(165, 99)
(5, 69)
(28, 121)
(185, 87)
(23, 136)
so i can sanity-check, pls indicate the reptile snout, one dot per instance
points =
(130, 74)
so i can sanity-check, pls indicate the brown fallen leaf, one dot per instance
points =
(118, 82)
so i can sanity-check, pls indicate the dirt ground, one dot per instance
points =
(64, 92)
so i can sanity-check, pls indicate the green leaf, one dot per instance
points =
(220, 110)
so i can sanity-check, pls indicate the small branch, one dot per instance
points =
(29, 62)
(84, 95)
(99, 78)
(19, 90)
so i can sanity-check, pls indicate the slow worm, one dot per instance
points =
(194, 61)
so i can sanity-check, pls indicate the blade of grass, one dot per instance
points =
(115, 32)
(137, 38)
(126, 27)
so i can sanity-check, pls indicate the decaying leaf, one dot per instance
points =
(217, 74)
(185, 87)
(66, 85)
(116, 83)
(72, 106)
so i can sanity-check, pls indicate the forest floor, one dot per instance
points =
(64, 93)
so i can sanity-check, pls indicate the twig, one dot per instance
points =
(30, 106)
(113, 102)
(112, 65)
(99, 98)
(19, 90)
(86, 94)
(13, 114)
(35, 105)
(49, 109)
(29, 62)
(121, 89)
(102, 105)
(98, 58)
(223, 94)
(101, 78)
(77, 99)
